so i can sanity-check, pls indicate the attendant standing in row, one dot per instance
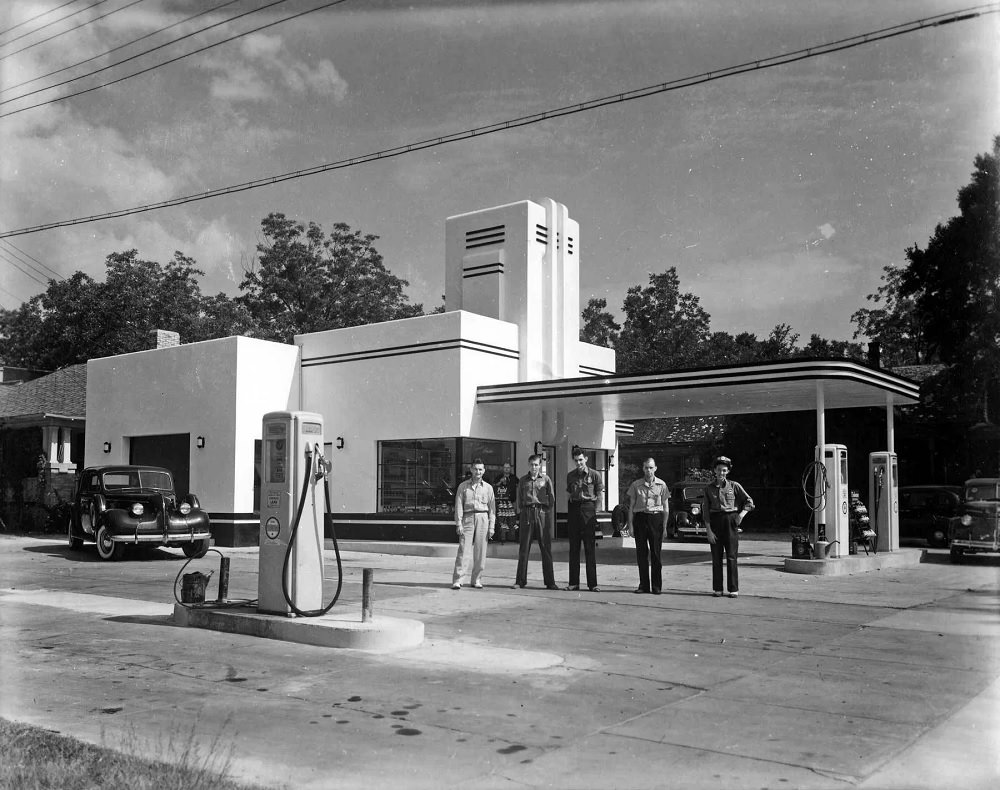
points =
(475, 519)
(585, 488)
(535, 504)
(647, 505)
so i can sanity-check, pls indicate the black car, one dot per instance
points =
(976, 528)
(117, 506)
(687, 517)
(924, 512)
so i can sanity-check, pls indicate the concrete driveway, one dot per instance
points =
(888, 679)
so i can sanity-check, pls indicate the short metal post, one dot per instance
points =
(223, 579)
(368, 577)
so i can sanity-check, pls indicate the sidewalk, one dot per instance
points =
(882, 680)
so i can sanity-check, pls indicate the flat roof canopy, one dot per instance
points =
(791, 385)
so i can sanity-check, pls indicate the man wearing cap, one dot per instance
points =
(727, 503)
(647, 504)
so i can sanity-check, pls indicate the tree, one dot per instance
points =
(54, 328)
(305, 281)
(663, 328)
(599, 326)
(77, 319)
(893, 324)
(955, 287)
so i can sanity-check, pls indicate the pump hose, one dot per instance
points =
(879, 484)
(291, 543)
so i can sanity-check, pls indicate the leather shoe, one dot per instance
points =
(573, 587)
(640, 590)
(595, 588)
(656, 592)
(551, 587)
(517, 586)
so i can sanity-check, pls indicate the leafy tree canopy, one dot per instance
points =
(306, 281)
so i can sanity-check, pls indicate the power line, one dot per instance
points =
(526, 120)
(179, 57)
(114, 49)
(68, 30)
(25, 272)
(53, 22)
(29, 20)
(134, 57)
(52, 273)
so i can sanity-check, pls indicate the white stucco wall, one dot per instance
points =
(409, 379)
(218, 389)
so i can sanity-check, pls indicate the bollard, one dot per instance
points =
(368, 576)
(223, 579)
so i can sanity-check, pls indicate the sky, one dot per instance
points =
(779, 195)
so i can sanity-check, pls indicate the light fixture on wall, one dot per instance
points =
(611, 460)
(200, 442)
(107, 447)
(340, 442)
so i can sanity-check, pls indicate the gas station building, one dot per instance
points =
(407, 404)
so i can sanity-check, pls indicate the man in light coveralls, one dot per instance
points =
(475, 519)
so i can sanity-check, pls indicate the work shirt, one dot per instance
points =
(472, 498)
(728, 498)
(584, 486)
(535, 492)
(646, 497)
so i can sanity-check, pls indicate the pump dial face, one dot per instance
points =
(272, 527)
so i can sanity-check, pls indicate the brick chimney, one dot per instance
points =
(163, 338)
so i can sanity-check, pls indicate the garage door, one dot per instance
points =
(172, 451)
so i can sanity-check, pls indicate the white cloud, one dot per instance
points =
(267, 68)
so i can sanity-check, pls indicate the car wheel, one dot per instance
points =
(107, 548)
(195, 549)
(957, 556)
(75, 543)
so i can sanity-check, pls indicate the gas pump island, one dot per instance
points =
(293, 507)
(830, 501)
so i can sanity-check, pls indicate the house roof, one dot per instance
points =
(60, 394)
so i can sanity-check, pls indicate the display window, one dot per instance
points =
(420, 475)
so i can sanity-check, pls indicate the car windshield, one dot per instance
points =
(138, 478)
(985, 492)
(693, 493)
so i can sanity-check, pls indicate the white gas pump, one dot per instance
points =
(836, 514)
(883, 498)
(291, 514)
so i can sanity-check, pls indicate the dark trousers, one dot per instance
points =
(726, 540)
(648, 541)
(582, 528)
(535, 525)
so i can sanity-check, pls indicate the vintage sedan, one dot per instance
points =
(687, 517)
(118, 506)
(977, 527)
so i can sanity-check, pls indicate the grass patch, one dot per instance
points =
(32, 758)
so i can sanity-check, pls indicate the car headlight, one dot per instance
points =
(137, 509)
(695, 510)
(185, 508)
(966, 520)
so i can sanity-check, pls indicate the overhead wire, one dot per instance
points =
(114, 49)
(68, 30)
(20, 255)
(25, 272)
(526, 120)
(172, 60)
(31, 19)
(53, 22)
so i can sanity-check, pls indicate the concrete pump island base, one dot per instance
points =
(330, 630)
